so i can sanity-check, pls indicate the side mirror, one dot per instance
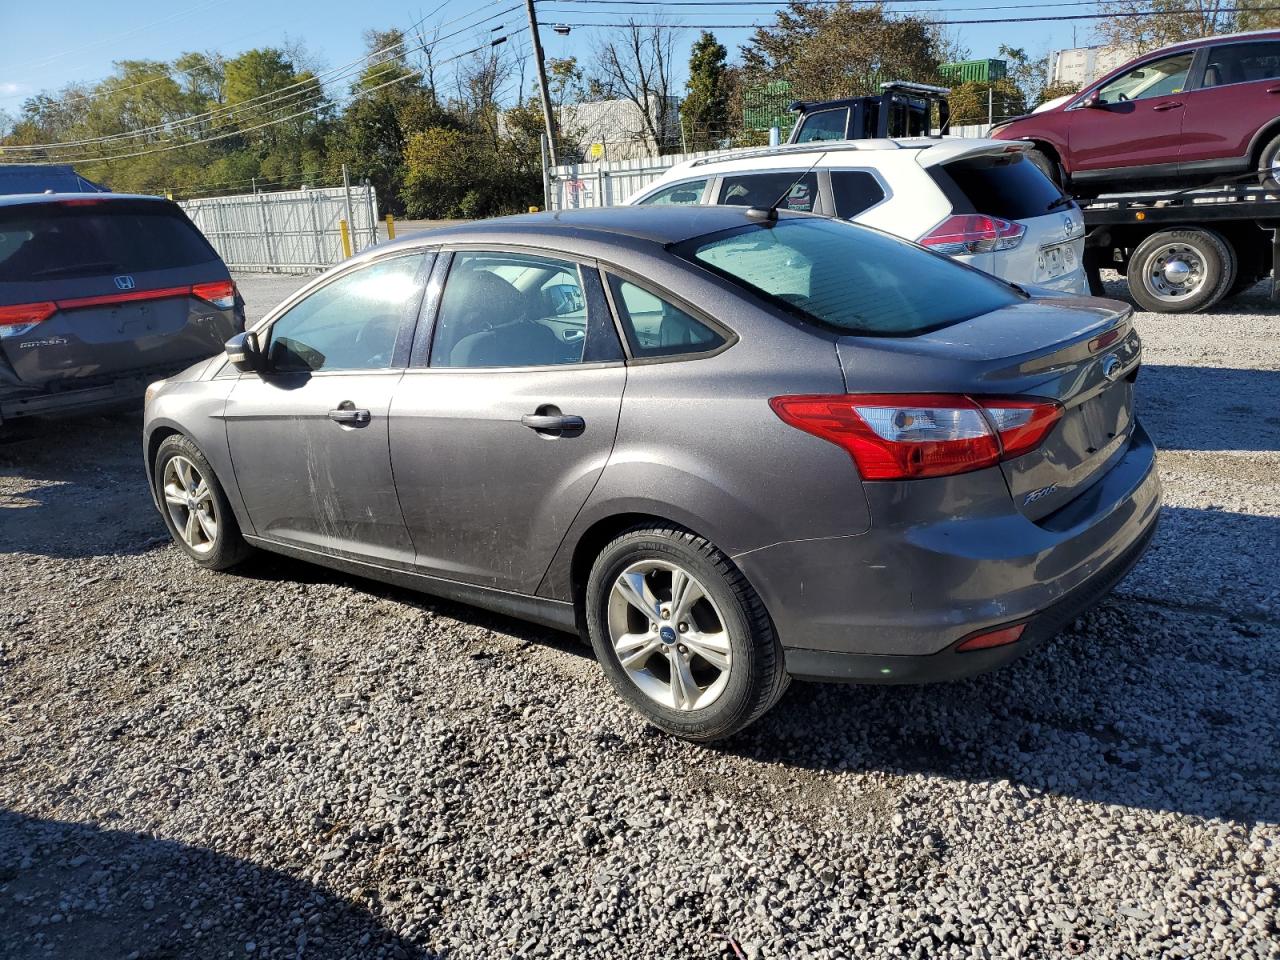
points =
(244, 353)
(1091, 101)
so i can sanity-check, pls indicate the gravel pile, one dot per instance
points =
(288, 762)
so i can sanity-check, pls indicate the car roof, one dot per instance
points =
(657, 225)
(80, 199)
(1198, 42)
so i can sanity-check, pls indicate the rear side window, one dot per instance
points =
(854, 191)
(1008, 186)
(1242, 63)
(823, 125)
(793, 190)
(51, 241)
(657, 328)
(678, 194)
(849, 278)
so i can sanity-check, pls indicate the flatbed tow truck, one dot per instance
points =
(1183, 251)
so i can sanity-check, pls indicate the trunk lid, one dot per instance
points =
(109, 287)
(1081, 352)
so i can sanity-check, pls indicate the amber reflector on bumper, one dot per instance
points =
(992, 638)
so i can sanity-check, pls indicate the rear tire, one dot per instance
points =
(1269, 164)
(1181, 271)
(194, 506)
(1046, 165)
(722, 639)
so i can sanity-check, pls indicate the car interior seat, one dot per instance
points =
(494, 327)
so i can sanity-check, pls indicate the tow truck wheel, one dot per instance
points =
(1181, 271)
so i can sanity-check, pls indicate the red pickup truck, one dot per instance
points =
(1189, 113)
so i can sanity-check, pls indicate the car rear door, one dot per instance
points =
(1238, 95)
(1135, 120)
(506, 418)
(103, 288)
(309, 435)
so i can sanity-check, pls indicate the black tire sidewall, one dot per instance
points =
(1044, 163)
(1265, 159)
(734, 707)
(230, 547)
(1218, 258)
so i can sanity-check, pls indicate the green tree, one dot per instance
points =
(1176, 20)
(974, 101)
(704, 114)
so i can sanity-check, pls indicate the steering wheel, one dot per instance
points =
(1122, 97)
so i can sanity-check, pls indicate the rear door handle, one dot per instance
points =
(348, 414)
(560, 421)
(1171, 105)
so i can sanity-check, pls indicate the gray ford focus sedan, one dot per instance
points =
(728, 446)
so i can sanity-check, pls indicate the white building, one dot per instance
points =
(1081, 65)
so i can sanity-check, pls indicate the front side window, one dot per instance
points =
(351, 323)
(823, 125)
(1159, 78)
(1242, 63)
(656, 327)
(849, 278)
(511, 310)
(678, 194)
(789, 190)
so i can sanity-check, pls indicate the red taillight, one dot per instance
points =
(992, 638)
(911, 436)
(18, 319)
(973, 233)
(220, 293)
(128, 296)
(81, 202)
(1104, 341)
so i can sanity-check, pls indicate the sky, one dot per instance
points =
(44, 48)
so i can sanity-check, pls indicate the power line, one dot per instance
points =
(269, 100)
(269, 123)
(1070, 16)
(931, 10)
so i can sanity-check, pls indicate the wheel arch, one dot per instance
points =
(1260, 140)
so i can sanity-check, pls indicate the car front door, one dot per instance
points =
(1133, 120)
(308, 435)
(1238, 95)
(504, 422)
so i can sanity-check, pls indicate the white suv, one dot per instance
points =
(981, 201)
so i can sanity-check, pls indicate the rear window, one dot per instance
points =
(849, 278)
(1008, 186)
(52, 241)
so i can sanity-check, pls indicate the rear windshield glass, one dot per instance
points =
(855, 280)
(51, 241)
(1008, 186)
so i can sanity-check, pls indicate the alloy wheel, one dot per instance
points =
(668, 635)
(189, 500)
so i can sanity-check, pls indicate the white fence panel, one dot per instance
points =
(287, 231)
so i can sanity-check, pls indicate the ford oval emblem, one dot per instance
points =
(1111, 366)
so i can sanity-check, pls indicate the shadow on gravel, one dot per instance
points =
(1164, 697)
(1210, 408)
(75, 488)
(78, 892)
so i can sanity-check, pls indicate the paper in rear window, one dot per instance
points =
(48, 241)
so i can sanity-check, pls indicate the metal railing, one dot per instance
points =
(290, 231)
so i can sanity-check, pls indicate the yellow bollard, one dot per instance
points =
(391, 227)
(346, 239)
(533, 209)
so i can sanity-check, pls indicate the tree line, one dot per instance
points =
(449, 139)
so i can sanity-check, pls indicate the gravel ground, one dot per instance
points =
(288, 762)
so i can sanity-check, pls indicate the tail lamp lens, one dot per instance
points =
(911, 436)
(221, 293)
(18, 319)
(973, 233)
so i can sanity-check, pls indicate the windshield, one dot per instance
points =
(855, 280)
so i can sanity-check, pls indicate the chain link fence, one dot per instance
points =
(289, 231)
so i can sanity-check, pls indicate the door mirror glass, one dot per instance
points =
(243, 352)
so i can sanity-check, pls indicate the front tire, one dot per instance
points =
(194, 506)
(1181, 271)
(1046, 165)
(1269, 164)
(681, 635)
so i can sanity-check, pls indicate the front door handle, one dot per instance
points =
(1171, 105)
(347, 413)
(556, 422)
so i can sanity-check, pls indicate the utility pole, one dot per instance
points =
(547, 117)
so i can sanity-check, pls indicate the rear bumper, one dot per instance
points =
(122, 392)
(945, 560)
(952, 665)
